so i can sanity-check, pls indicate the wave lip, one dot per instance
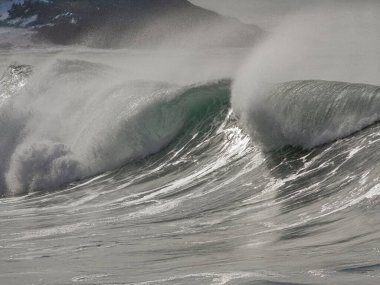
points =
(309, 113)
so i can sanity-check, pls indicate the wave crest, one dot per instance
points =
(309, 113)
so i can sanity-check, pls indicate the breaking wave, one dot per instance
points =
(309, 113)
(66, 134)
(71, 131)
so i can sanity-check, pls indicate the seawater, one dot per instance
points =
(164, 183)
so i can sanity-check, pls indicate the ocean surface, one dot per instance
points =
(150, 167)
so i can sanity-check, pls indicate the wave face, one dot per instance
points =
(309, 113)
(52, 142)
(110, 179)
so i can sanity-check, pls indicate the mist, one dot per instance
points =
(332, 43)
(84, 111)
(339, 42)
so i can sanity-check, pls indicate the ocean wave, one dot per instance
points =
(309, 113)
(74, 128)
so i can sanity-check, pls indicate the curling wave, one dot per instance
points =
(102, 130)
(309, 113)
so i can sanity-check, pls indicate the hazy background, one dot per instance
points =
(269, 13)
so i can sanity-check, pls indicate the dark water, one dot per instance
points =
(204, 205)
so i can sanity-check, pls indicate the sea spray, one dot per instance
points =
(67, 124)
(316, 45)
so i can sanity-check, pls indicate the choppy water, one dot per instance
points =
(113, 180)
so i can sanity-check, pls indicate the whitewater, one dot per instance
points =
(208, 166)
